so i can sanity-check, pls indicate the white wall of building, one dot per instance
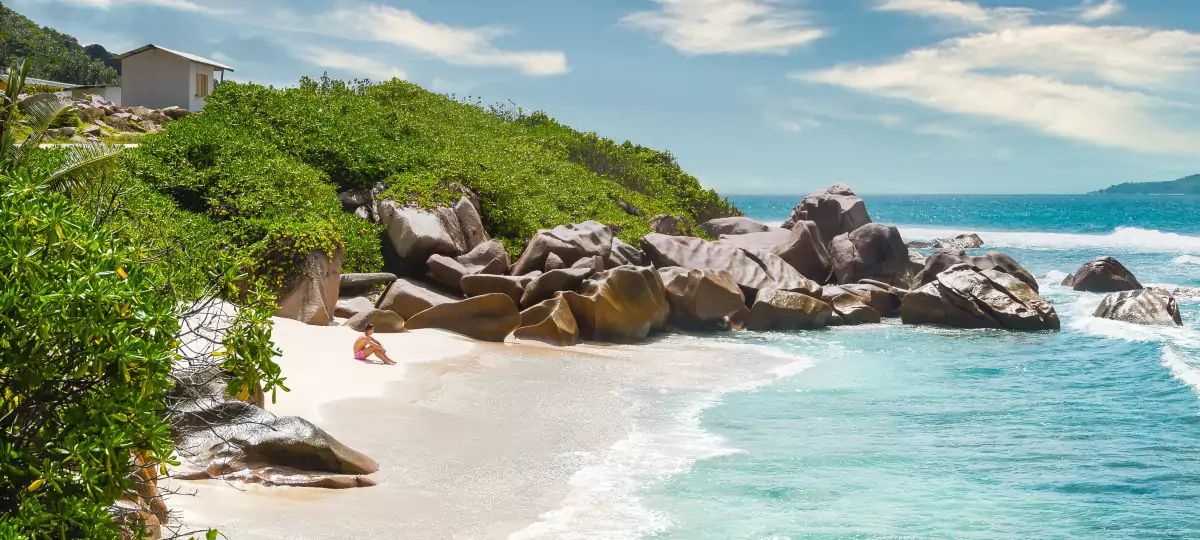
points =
(157, 79)
(111, 92)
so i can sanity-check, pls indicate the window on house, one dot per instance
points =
(201, 85)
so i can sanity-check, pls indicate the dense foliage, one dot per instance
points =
(529, 171)
(55, 55)
(86, 349)
(1188, 185)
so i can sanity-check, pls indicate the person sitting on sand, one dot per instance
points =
(366, 345)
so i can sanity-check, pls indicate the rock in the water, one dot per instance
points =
(385, 321)
(689, 252)
(701, 299)
(488, 317)
(732, 225)
(958, 241)
(407, 297)
(1102, 275)
(549, 321)
(620, 305)
(835, 210)
(312, 297)
(217, 437)
(513, 286)
(666, 224)
(872, 251)
(880, 296)
(964, 296)
(569, 243)
(848, 308)
(550, 283)
(358, 284)
(350, 306)
(774, 309)
(1152, 305)
(623, 254)
(941, 260)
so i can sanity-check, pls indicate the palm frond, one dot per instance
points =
(82, 162)
(40, 111)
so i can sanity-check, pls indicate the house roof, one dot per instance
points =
(41, 82)
(189, 56)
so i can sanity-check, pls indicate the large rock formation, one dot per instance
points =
(701, 299)
(217, 437)
(513, 286)
(848, 308)
(872, 251)
(488, 317)
(407, 297)
(312, 296)
(547, 284)
(1102, 275)
(964, 296)
(620, 305)
(774, 309)
(350, 306)
(488, 257)
(1153, 305)
(800, 247)
(384, 321)
(360, 284)
(958, 241)
(666, 224)
(694, 253)
(568, 243)
(413, 234)
(549, 321)
(939, 261)
(623, 254)
(880, 296)
(835, 210)
(732, 225)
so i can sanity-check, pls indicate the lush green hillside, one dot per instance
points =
(1188, 185)
(55, 55)
(264, 165)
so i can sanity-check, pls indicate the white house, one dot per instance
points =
(158, 77)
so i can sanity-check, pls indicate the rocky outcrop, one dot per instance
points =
(624, 254)
(848, 309)
(666, 224)
(488, 317)
(1102, 275)
(694, 253)
(1152, 305)
(413, 234)
(880, 296)
(548, 284)
(553, 262)
(939, 261)
(312, 296)
(774, 309)
(620, 305)
(568, 243)
(488, 257)
(800, 247)
(732, 225)
(965, 296)
(360, 284)
(217, 437)
(549, 321)
(872, 251)
(386, 322)
(513, 286)
(407, 297)
(701, 299)
(347, 307)
(835, 210)
(958, 241)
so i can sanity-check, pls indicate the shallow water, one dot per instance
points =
(889, 431)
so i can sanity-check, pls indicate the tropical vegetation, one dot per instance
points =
(55, 56)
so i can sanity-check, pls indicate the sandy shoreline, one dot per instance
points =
(480, 440)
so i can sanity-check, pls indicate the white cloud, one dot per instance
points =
(727, 26)
(181, 5)
(940, 130)
(456, 45)
(1094, 11)
(962, 11)
(1110, 85)
(352, 63)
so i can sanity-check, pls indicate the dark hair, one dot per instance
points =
(369, 327)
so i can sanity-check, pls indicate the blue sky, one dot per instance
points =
(755, 96)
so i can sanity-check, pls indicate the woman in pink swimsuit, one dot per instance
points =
(366, 345)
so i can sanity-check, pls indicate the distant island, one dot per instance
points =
(1188, 185)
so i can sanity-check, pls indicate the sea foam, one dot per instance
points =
(1122, 238)
(1180, 369)
(1183, 260)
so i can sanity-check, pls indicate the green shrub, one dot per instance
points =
(87, 348)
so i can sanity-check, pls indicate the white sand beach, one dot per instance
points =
(478, 440)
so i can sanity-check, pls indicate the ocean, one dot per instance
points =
(889, 431)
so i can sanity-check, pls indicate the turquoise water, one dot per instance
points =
(902, 432)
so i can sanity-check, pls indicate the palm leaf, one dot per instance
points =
(41, 111)
(83, 161)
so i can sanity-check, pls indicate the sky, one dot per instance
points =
(754, 96)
